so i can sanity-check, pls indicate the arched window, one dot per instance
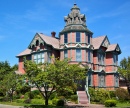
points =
(37, 42)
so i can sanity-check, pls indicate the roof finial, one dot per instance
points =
(74, 2)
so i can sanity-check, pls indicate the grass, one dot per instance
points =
(123, 104)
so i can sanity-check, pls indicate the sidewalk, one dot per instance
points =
(70, 105)
(9, 106)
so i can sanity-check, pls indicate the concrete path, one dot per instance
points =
(9, 106)
(68, 106)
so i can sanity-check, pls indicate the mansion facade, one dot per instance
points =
(76, 41)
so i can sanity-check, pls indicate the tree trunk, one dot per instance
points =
(46, 101)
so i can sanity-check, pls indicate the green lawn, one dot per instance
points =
(123, 104)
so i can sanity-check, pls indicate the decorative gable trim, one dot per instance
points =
(33, 42)
(105, 42)
(118, 49)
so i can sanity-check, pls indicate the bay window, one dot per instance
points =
(39, 57)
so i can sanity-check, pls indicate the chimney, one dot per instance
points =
(53, 34)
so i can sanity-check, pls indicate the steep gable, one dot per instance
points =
(105, 42)
(96, 42)
(114, 47)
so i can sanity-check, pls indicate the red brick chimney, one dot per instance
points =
(53, 34)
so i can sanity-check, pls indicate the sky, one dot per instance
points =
(20, 20)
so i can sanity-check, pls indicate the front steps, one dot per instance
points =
(82, 97)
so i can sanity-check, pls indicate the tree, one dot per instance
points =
(10, 82)
(8, 79)
(55, 77)
(124, 69)
(4, 70)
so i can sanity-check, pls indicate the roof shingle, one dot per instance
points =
(25, 52)
(50, 40)
(96, 42)
(111, 47)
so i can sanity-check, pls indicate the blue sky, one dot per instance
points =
(21, 19)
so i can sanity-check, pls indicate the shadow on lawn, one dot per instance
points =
(51, 106)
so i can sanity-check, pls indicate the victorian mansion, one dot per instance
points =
(76, 41)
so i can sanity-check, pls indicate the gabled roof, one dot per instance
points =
(47, 39)
(97, 42)
(25, 52)
(50, 40)
(113, 47)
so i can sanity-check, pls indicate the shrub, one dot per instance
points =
(20, 100)
(110, 103)
(37, 101)
(122, 94)
(28, 95)
(60, 102)
(99, 95)
(52, 96)
(27, 101)
(74, 98)
(112, 94)
(54, 101)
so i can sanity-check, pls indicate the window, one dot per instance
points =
(89, 38)
(115, 59)
(65, 54)
(77, 36)
(78, 54)
(101, 58)
(101, 80)
(39, 57)
(65, 38)
(37, 43)
(49, 57)
(116, 77)
(89, 79)
(89, 56)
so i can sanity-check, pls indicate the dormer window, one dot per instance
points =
(77, 36)
(65, 38)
